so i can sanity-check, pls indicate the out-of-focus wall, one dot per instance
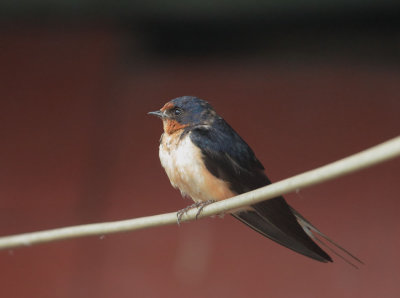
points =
(78, 147)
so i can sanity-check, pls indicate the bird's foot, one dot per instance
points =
(199, 205)
(202, 205)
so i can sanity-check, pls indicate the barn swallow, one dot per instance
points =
(208, 161)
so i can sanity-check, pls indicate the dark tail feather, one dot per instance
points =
(312, 230)
(275, 220)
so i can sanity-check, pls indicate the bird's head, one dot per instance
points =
(185, 111)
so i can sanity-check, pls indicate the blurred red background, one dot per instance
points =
(78, 147)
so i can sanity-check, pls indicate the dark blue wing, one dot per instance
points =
(228, 157)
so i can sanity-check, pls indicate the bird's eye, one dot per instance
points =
(176, 111)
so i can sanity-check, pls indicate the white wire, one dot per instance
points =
(364, 159)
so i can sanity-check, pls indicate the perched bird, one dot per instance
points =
(208, 161)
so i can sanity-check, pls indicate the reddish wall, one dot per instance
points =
(77, 147)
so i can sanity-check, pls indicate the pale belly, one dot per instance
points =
(183, 163)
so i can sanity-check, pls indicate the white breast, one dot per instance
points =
(183, 163)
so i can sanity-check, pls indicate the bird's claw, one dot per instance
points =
(199, 205)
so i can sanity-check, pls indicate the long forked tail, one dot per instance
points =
(312, 231)
(275, 220)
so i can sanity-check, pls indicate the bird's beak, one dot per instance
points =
(157, 113)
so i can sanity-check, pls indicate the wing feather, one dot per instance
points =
(228, 157)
